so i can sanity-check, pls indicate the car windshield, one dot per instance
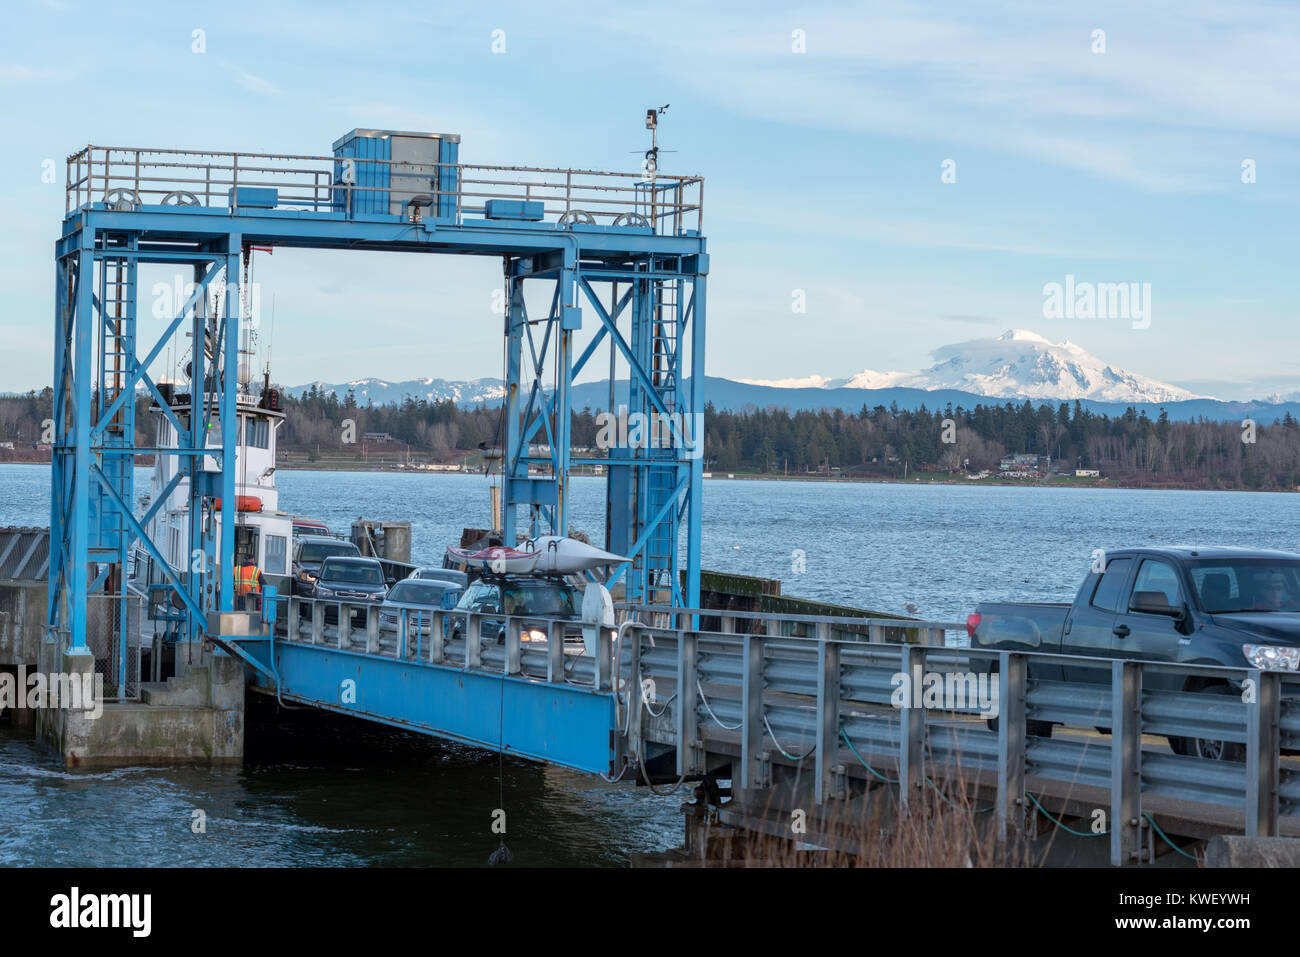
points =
(319, 551)
(352, 573)
(544, 599)
(1260, 584)
(417, 593)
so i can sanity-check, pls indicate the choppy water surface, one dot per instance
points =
(329, 791)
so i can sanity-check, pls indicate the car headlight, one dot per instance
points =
(1272, 657)
(534, 634)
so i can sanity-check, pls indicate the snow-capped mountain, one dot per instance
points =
(382, 392)
(1017, 364)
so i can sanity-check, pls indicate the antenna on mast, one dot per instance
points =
(651, 162)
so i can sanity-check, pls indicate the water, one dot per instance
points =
(320, 790)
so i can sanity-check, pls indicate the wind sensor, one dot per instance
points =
(651, 163)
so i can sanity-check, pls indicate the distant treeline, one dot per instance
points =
(1130, 449)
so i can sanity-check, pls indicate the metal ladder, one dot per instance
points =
(661, 479)
(117, 361)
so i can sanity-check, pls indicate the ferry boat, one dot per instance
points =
(263, 533)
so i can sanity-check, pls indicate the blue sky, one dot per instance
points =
(823, 168)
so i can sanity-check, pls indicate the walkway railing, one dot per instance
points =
(524, 646)
(128, 177)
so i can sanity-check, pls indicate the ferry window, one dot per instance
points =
(245, 545)
(257, 433)
(1107, 595)
(276, 546)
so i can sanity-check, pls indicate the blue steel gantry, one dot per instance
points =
(627, 247)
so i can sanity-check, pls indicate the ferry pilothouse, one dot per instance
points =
(263, 533)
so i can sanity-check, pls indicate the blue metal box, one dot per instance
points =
(258, 197)
(527, 209)
(377, 172)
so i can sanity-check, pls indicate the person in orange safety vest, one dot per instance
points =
(248, 587)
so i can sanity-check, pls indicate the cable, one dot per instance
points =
(1163, 837)
(845, 736)
(705, 702)
(1068, 830)
(946, 800)
(772, 734)
(646, 701)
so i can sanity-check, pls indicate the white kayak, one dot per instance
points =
(564, 556)
(498, 559)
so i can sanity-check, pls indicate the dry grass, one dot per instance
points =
(941, 828)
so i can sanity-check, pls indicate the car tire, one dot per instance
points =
(1233, 751)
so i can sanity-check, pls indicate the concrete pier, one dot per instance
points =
(197, 716)
(194, 717)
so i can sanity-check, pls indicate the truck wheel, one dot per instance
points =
(1205, 747)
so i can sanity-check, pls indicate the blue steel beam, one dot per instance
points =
(555, 723)
(79, 552)
(229, 419)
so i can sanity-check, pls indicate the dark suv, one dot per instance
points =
(351, 580)
(521, 595)
(310, 551)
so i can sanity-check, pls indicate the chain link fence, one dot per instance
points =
(114, 629)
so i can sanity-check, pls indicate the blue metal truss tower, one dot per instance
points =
(617, 247)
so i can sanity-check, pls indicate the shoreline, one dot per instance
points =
(829, 480)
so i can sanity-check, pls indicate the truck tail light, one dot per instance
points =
(972, 622)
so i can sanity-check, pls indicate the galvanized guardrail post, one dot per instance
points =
(911, 736)
(438, 638)
(291, 623)
(372, 628)
(752, 757)
(554, 652)
(1263, 750)
(828, 710)
(637, 695)
(473, 642)
(1010, 806)
(688, 728)
(317, 622)
(1125, 762)
(514, 644)
(604, 660)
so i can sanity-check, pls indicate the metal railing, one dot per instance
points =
(128, 177)
(733, 622)
(525, 646)
(832, 706)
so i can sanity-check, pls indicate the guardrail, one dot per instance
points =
(857, 708)
(131, 176)
(871, 629)
(769, 700)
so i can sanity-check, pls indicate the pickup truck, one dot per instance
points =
(1235, 607)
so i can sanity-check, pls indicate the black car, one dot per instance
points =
(308, 554)
(351, 580)
(522, 595)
